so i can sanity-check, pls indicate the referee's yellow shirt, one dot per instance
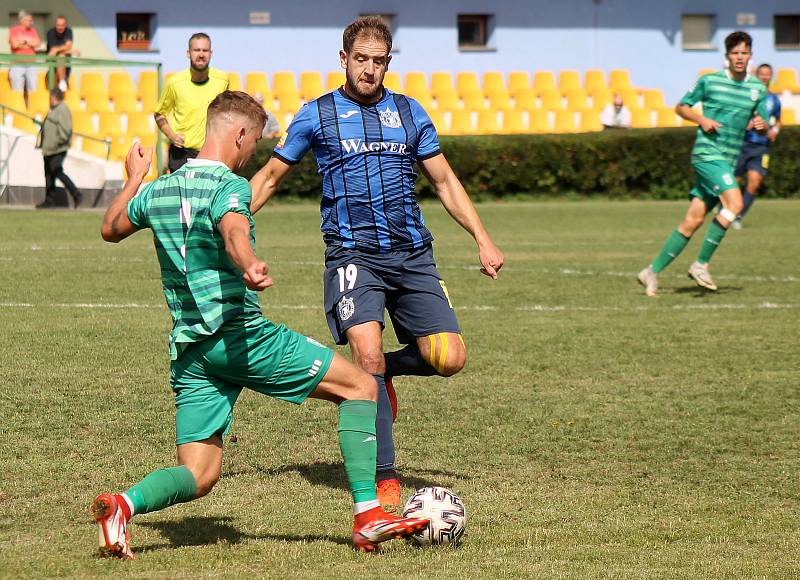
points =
(188, 101)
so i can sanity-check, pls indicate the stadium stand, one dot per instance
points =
(544, 81)
(786, 80)
(392, 82)
(256, 82)
(310, 85)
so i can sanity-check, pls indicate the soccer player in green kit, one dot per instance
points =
(220, 342)
(731, 98)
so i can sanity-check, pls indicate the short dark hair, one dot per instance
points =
(199, 35)
(57, 94)
(764, 65)
(60, 17)
(371, 26)
(736, 38)
(237, 103)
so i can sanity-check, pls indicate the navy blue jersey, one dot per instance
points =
(366, 156)
(773, 104)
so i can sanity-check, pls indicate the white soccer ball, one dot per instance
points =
(444, 509)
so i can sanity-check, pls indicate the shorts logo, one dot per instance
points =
(390, 118)
(312, 372)
(347, 308)
(727, 179)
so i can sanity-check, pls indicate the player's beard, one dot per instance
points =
(362, 95)
(196, 68)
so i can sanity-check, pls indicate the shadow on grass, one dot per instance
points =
(332, 475)
(203, 531)
(698, 292)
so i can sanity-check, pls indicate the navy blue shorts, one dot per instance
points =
(754, 157)
(360, 285)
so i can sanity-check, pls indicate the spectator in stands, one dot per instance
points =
(186, 97)
(272, 128)
(23, 39)
(54, 138)
(616, 115)
(59, 43)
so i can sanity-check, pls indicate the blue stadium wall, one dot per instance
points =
(643, 36)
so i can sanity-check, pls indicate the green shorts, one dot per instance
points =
(712, 178)
(209, 375)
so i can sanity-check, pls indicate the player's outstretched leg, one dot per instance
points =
(356, 393)
(732, 205)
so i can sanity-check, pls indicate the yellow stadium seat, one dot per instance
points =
(120, 82)
(474, 100)
(467, 82)
(551, 99)
(514, 122)
(41, 81)
(5, 84)
(641, 118)
(666, 117)
(423, 98)
(619, 80)
(493, 82)
(539, 121)
(601, 98)
(441, 81)
(543, 80)
(518, 80)
(786, 80)
(653, 99)
(788, 116)
(13, 99)
(234, 81)
(83, 123)
(125, 103)
(577, 100)
(92, 82)
(487, 122)
(499, 100)
(391, 81)
(73, 100)
(594, 80)
(24, 123)
(416, 81)
(148, 84)
(110, 125)
(569, 80)
(437, 117)
(565, 122)
(630, 97)
(149, 103)
(284, 82)
(311, 85)
(120, 145)
(39, 103)
(448, 101)
(461, 123)
(149, 140)
(140, 124)
(334, 80)
(706, 71)
(590, 121)
(289, 102)
(96, 102)
(256, 82)
(94, 147)
(524, 99)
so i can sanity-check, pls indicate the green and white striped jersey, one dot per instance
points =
(202, 286)
(731, 103)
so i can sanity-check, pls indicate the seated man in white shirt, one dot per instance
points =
(616, 115)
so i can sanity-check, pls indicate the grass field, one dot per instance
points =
(594, 433)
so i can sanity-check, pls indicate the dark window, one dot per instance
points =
(697, 31)
(473, 30)
(135, 31)
(787, 31)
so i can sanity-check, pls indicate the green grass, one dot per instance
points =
(594, 433)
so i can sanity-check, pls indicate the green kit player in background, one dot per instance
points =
(220, 342)
(731, 98)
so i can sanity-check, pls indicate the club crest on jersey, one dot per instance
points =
(347, 308)
(753, 94)
(390, 118)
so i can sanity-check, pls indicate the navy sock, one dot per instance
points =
(748, 199)
(383, 428)
(408, 361)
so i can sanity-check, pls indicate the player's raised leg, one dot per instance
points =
(731, 206)
(356, 394)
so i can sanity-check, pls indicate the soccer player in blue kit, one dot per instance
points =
(366, 140)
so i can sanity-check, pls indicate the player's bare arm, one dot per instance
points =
(235, 230)
(686, 112)
(116, 224)
(163, 125)
(266, 182)
(458, 204)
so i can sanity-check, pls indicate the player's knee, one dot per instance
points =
(362, 388)
(691, 224)
(446, 353)
(371, 361)
(736, 206)
(205, 480)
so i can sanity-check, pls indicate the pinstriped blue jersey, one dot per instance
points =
(773, 104)
(366, 156)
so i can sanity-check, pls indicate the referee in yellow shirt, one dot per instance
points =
(187, 96)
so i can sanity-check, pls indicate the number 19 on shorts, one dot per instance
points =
(347, 277)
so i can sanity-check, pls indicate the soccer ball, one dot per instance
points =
(444, 509)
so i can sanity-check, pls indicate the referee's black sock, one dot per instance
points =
(408, 361)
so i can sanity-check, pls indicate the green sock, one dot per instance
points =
(163, 488)
(359, 447)
(674, 245)
(711, 242)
